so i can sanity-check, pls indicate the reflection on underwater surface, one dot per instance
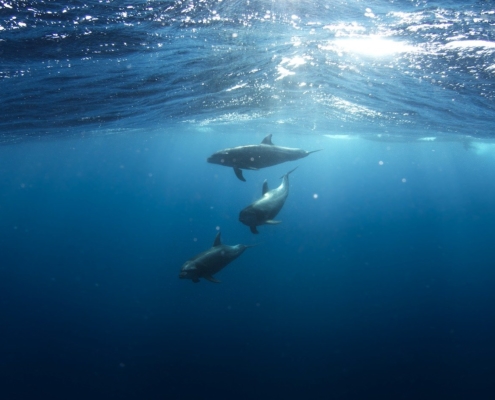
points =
(405, 67)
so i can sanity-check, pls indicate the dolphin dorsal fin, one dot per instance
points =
(217, 241)
(265, 187)
(267, 140)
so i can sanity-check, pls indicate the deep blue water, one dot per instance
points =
(378, 283)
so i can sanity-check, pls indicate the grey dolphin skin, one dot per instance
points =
(256, 156)
(209, 262)
(263, 210)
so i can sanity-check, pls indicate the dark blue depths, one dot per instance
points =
(378, 287)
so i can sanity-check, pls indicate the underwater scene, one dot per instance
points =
(247, 199)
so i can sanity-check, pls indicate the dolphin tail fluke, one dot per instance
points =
(238, 173)
(254, 230)
(211, 279)
(272, 222)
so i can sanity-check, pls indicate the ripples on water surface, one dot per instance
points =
(329, 67)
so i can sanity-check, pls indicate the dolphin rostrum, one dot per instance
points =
(209, 262)
(256, 156)
(263, 210)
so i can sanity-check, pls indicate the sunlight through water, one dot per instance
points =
(374, 46)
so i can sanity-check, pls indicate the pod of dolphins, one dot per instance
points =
(262, 211)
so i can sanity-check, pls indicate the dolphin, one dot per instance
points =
(209, 262)
(256, 156)
(263, 210)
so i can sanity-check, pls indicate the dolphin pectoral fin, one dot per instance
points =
(272, 222)
(267, 140)
(211, 279)
(238, 173)
(195, 280)
(254, 230)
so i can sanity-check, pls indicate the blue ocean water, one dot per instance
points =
(379, 281)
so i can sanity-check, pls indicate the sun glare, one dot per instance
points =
(372, 46)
